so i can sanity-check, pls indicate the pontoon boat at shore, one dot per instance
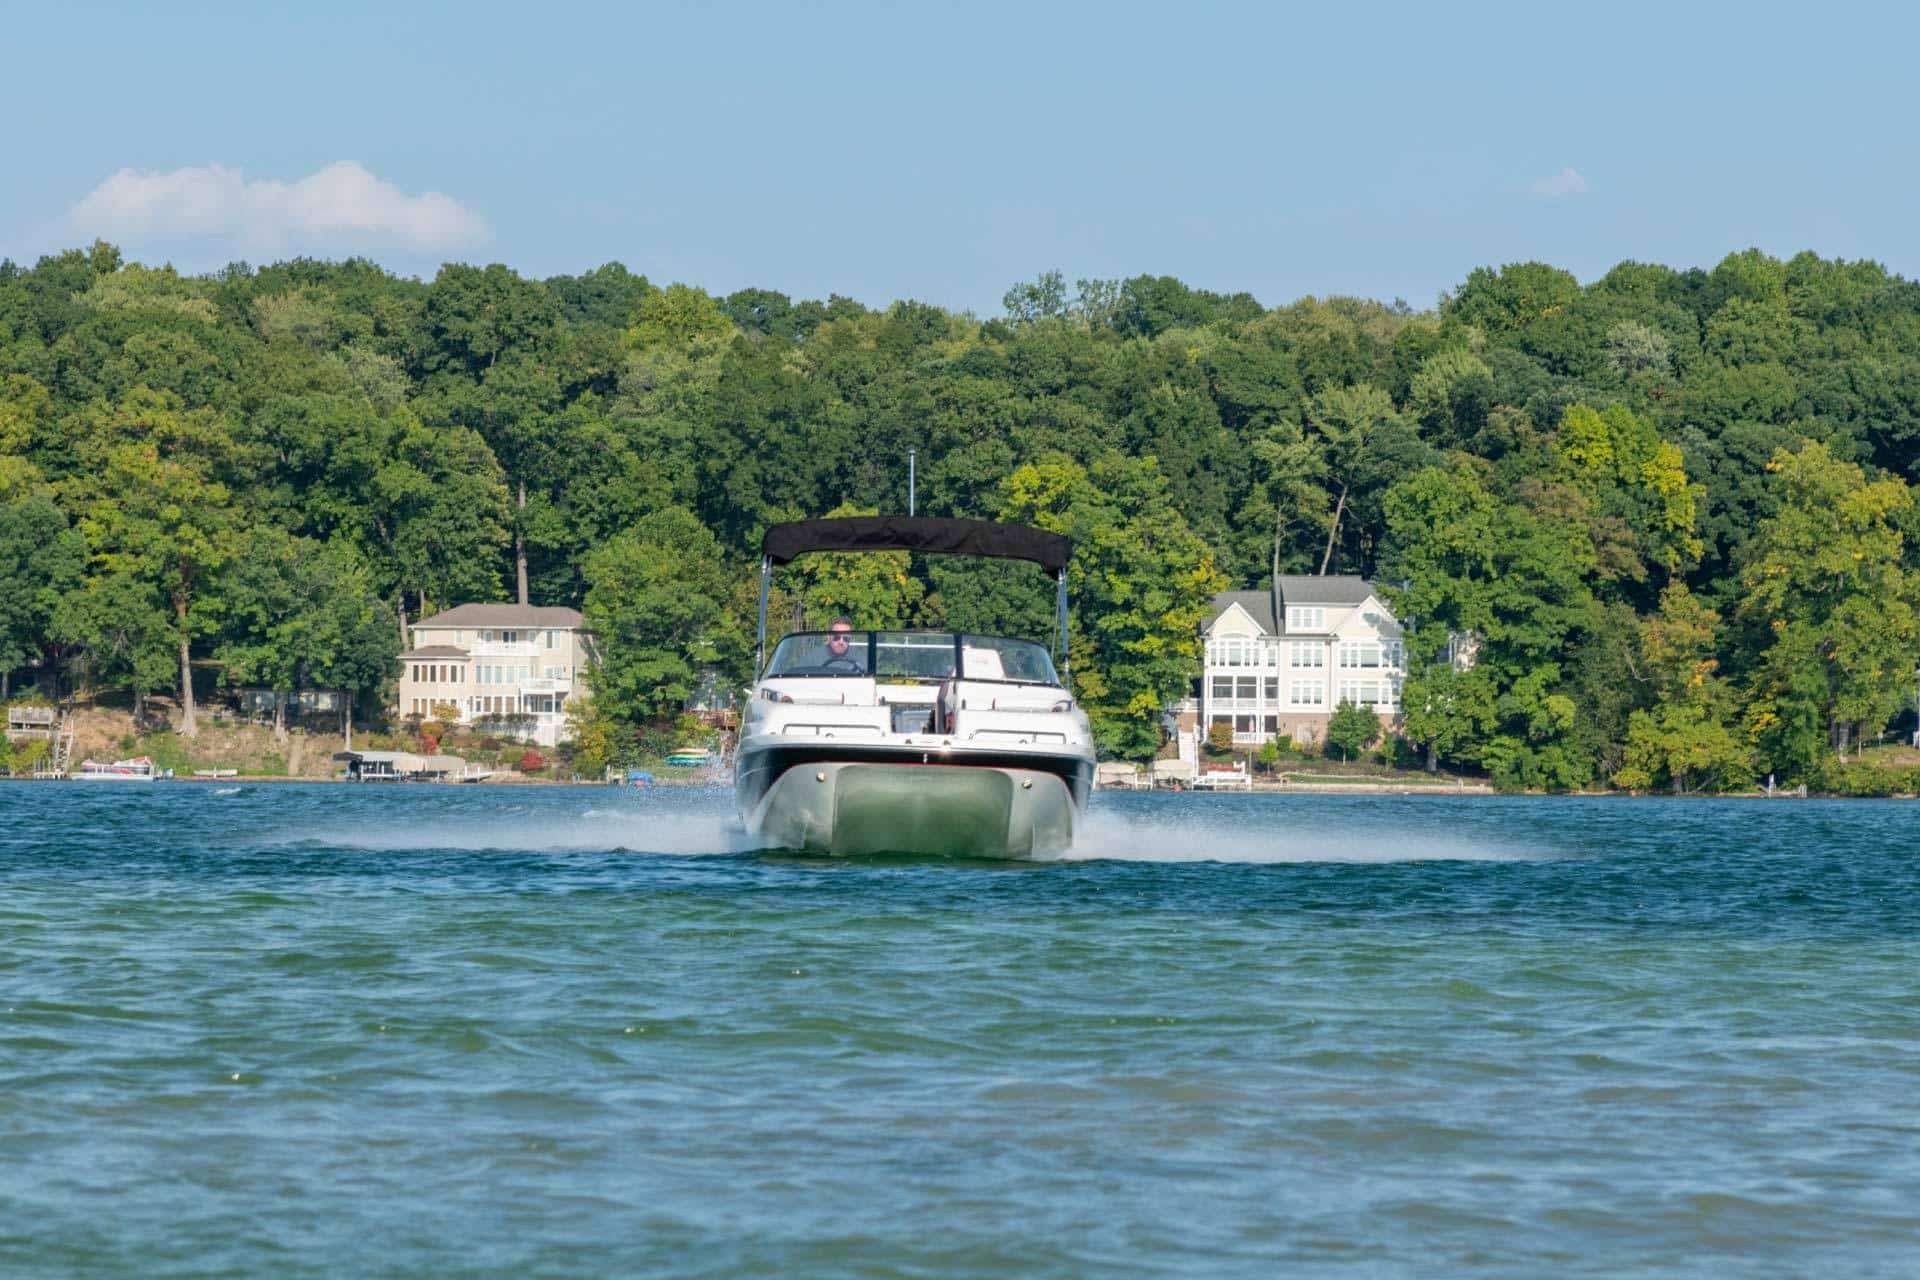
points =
(928, 742)
(138, 769)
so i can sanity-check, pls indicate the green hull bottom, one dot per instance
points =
(931, 810)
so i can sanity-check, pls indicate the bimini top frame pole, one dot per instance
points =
(1060, 632)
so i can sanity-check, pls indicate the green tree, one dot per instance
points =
(1366, 446)
(298, 614)
(41, 561)
(1351, 728)
(1495, 593)
(440, 517)
(153, 512)
(679, 316)
(658, 599)
(1142, 584)
(25, 407)
(1510, 299)
(118, 621)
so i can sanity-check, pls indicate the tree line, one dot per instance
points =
(1667, 512)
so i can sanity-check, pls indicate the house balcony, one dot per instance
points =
(546, 686)
(501, 649)
(1225, 705)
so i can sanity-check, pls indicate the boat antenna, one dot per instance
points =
(760, 643)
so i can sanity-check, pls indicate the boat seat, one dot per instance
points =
(943, 708)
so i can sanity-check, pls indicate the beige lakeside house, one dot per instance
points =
(1279, 662)
(511, 669)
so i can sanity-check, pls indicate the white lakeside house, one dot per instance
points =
(1279, 662)
(507, 667)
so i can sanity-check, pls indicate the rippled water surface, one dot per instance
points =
(299, 1030)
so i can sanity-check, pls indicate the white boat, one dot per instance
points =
(138, 769)
(913, 741)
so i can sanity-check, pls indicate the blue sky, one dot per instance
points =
(943, 152)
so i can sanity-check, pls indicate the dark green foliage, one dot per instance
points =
(265, 464)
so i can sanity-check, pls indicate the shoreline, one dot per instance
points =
(1475, 790)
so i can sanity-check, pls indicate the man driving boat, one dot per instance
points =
(840, 646)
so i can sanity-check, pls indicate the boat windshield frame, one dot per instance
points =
(869, 668)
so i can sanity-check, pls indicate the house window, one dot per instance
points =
(1247, 687)
(1222, 687)
(1306, 617)
(1307, 653)
(549, 639)
(1359, 655)
(1307, 695)
(1370, 654)
(1271, 690)
(1270, 725)
(1367, 693)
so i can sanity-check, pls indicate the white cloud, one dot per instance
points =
(342, 205)
(1568, 182)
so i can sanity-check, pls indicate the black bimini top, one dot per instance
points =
(1051, 551)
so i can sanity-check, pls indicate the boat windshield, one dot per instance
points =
(912, 656)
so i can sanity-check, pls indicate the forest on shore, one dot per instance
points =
(1671, 508)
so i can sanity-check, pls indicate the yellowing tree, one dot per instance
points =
(1829, 606)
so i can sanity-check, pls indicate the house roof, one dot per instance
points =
(1338, 590)
(435, 651)
(1341, 588)
(506, 615)
(1258, 605)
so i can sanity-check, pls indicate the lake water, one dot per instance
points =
(307, 1030)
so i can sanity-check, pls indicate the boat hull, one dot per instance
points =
(854, 808)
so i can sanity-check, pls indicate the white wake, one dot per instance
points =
(1180, 838)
